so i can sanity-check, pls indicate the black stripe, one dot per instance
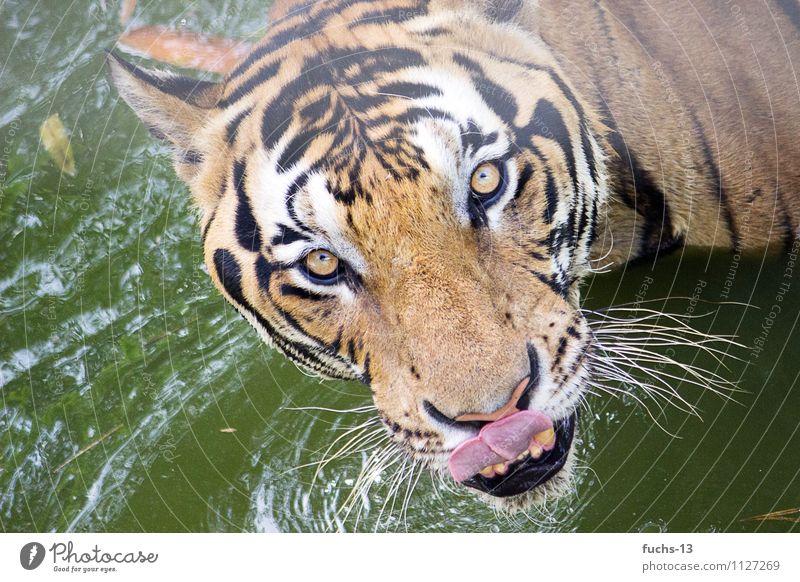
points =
(291, 199)
(503, 10)
(208, 224)
(412, 115)
(639, 192)
(673, 241)
(711, 163)
(560, 351)
(277, 116)
(651, 204)
(317, 109)
(436, 31)
(496, 97)
(619, 145)
(537, 255)
(477, 213)
(296, 148)
(788, 228)
(558, 288)
(551, 189)
(524, 177)
(499, 100)
(263, 75)
(248, 232)
(548, 123)
(191, 157)
(287, 235)
(232, 129)
(264, 271)
(562, 235)
(416, 113)
(366, 376)
(288, 290)
(472, 138)
(229, 274)
(791, 8)
(336, 344)
(587, 150)
(397, 14)
(378, 62)
(585, 220)
(551, 193)
(593, 226)
(410, 90)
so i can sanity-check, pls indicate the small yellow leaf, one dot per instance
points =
(56, 142)
(228, 429)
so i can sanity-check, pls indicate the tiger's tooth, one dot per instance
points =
(487, 472)
(535, 451)
(546, 437)
(500, 468)
(522, 455)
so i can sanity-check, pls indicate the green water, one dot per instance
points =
(111, 335)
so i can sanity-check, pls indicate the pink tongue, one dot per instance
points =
(499, 441)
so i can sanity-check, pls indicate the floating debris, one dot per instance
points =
(791, 515)
(125, 13)
(88, 447)
(182, 48)
(56, 142)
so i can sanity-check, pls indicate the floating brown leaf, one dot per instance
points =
(185, 49)
(56, 141)
(125, 13)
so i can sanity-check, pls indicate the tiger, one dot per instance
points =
(409, 194)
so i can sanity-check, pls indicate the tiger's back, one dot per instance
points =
(704, 106)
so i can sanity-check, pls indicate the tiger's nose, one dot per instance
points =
(509, 408)
(519, 400)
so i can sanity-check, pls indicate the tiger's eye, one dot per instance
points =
(322, 263)
(486, 179)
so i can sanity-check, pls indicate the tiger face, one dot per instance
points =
(405, 195)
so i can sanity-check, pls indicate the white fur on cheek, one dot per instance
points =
(269, 191)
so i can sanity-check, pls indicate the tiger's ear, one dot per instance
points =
(172, 107)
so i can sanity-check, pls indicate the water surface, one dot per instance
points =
(123, 372)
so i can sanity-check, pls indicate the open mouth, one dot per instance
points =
(514, 455)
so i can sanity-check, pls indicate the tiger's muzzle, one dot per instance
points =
(505, 474)
(516, 449)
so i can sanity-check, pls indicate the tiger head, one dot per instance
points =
(406, 195)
